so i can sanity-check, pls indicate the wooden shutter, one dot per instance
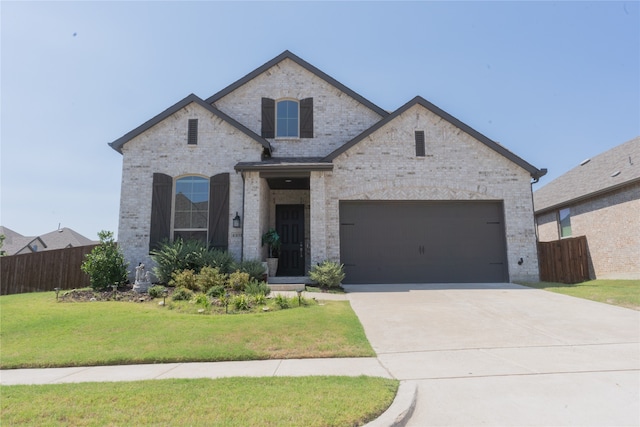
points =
(420, 148)
(160, 210)
(306, 118)
(268, 118)
(219, 211)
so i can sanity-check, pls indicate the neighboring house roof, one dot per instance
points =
(16, 243)
(418, 100)
(118, 143)
(608, 171)
(288, 55)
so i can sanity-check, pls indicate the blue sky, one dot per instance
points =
(554, 82)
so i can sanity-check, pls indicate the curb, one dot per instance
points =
(401, 409)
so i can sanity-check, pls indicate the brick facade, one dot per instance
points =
(611, 224)
(382, 166)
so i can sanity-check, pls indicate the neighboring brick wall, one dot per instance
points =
(164, 149)
(456, 167)
(337, 118)
(611, 223)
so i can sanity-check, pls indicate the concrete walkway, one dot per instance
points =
(466, 355)
(505, 355)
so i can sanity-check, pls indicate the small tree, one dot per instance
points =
(105, 265)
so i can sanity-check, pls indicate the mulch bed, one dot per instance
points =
(124, 293)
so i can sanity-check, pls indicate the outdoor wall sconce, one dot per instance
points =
(520, 261)
(237, 222)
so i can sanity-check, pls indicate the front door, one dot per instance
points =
(290, 227)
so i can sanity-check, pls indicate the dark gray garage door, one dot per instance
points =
(422, 242)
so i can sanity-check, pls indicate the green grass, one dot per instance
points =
(39, 332)
(625, 293)
(273, 401)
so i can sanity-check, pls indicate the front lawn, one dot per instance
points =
(625, 293)
(273, 401)
(39, 332)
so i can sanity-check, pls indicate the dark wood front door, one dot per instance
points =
(290, 227)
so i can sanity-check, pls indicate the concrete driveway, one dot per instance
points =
(505, 355)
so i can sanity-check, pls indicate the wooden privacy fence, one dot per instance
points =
(564, 261)
(43, 271)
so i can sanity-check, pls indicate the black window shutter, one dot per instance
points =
(420, 148)
(306, 118)
(219, 212)
(268, 118)
(192, 135)
(160, 229)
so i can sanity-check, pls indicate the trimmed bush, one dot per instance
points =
(216, 291)
(184, 279)
(156, 291)
(182, 294)
(329, 274)
(105, 265)
(238, 281)
(210, 277)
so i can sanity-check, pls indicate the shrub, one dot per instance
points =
(329, 274)
(253, 268)
(221, 260)
(260, 299)
(182, 294)
(215, 291)
(257, 288)
(238, 280)
(209, 277)
(188, 255)
(202, 299)
(241, 302)
(156, 291)
(105, 265)
(282, 301)
(184, 279)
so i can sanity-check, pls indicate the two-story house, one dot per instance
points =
(411, 196)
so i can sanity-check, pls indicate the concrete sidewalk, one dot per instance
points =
(369, 366)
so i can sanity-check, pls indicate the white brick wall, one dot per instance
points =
(337, 117)
(456, 167)
(164, 149)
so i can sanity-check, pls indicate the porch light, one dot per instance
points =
(237, 222)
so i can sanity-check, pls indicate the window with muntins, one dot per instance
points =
(191, 208)
(564, 222)
(287, 119)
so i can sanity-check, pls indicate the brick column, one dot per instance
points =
(318, 226)
(252, 216)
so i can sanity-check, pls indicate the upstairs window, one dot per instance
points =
(287, 119)
(564, 222)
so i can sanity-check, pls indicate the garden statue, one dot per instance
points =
(143, 279)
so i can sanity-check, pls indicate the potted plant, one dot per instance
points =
(272, 239)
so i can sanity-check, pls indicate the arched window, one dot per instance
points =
(287, 119)
(191, 208)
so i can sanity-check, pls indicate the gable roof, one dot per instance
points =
(418, 100)
(118, 143)
(16, 243)
(288, 55)
(601, 174)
